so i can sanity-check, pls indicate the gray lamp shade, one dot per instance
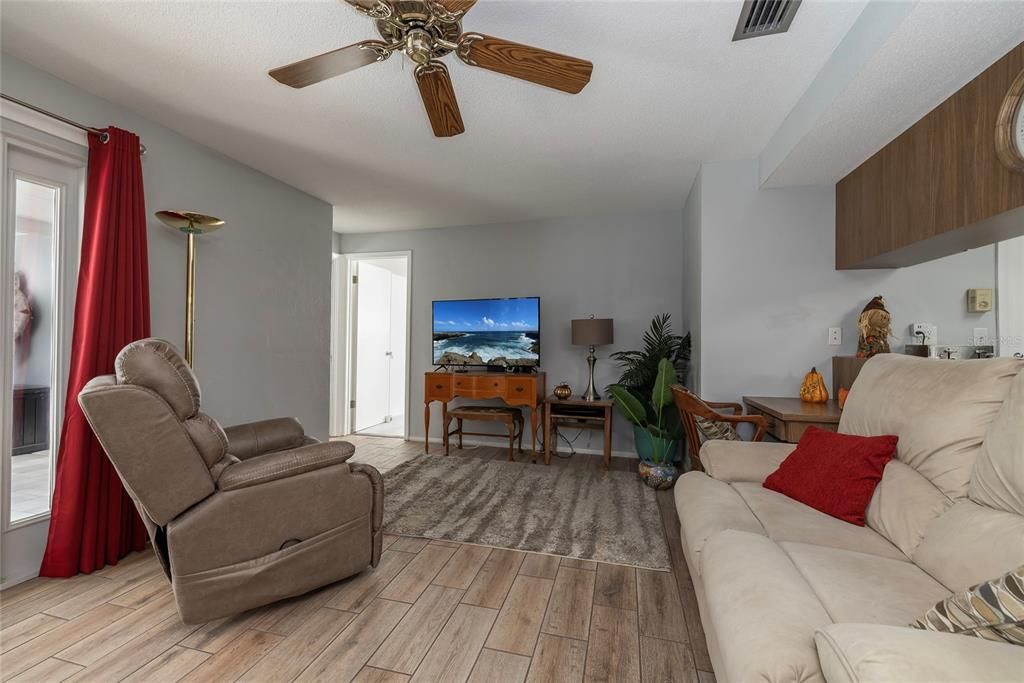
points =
(592, 332)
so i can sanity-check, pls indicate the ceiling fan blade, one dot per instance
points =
(377, 9)
(456, 6)
(439, 99)
(533, 64)
(331, 64)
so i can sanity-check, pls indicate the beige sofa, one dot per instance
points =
(787, 593)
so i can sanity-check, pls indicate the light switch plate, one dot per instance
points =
(835, 336)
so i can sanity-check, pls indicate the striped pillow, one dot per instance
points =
(713, 430)
(993, 610)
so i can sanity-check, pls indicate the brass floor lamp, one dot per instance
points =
(191, 224)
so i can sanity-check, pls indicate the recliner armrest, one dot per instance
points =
(282, 464)
(857, 653)
(265, 436)
(734, 461)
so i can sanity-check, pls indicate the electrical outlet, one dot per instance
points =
(923, 333)
(980, 336)
(835, 336)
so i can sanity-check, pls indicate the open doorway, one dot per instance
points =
(378, 344)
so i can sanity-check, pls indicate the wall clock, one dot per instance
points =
(1010, 127)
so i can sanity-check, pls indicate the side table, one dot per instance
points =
(576, 413)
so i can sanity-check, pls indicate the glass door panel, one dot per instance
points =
(36, 216)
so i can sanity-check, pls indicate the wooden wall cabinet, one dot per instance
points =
(937, 189)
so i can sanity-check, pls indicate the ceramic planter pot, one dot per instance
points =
(658, 476)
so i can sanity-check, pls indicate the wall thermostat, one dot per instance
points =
(979, 300)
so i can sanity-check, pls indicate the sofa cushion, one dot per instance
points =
(903, 506)
(785, 519)
(865, 588)
(743, 460)
(993, 610)
(707, 506)
(869, 653)
(970, 543)
(941, 411)
(762, 611)
(834, 473)
(998, 479)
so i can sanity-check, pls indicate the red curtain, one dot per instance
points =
(93, 521)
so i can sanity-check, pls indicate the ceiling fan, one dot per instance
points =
(426, 31)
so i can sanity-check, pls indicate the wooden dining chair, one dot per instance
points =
(703, 422)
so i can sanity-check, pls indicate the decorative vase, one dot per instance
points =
(562, 391)
(658, 477)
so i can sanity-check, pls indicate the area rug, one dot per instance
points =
(584, 513)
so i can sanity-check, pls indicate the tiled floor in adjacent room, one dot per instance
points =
(431, 611)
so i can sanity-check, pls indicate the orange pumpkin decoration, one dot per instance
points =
(813, 389)
(843, 394)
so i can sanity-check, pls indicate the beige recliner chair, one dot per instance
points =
(240, 517)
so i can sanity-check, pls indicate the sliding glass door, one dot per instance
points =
(41, 215)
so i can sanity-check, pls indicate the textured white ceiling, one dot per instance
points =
(669, 90)
(931, 54)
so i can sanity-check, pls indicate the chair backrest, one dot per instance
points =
(692, 411)
(147, 418)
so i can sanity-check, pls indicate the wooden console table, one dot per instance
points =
(525, 390)
(576, 413)
(788, 417)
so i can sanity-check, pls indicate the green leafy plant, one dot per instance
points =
(654, 418)
(640, 368)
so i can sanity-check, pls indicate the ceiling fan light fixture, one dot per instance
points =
(425, 31)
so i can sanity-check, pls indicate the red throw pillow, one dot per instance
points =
(834, 473)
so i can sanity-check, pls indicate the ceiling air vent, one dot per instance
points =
(765, 17)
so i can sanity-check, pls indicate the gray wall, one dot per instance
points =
(770, 291)
(692, 217)
(623, 267)
(263, 281)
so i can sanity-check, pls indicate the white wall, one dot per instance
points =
(769, 290)
(1010, 296)
(263, 281)
(623, 267)
(692, 217)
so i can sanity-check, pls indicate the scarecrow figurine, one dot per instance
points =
(875, 326)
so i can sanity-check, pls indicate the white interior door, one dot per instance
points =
(373, 345)
(41, 216)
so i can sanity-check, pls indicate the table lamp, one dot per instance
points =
(592, 332)
(192, 224)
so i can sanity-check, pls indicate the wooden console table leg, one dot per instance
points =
(547, 434)
(426, 426)
(533, 434)
(607, 437)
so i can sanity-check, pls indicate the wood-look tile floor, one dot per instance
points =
(431, 611)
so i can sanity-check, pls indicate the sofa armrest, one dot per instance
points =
(733, 461)
(857, 653)
(266, 436)
(282, 464)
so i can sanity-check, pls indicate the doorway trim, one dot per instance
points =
(345, 374)
(22, 538)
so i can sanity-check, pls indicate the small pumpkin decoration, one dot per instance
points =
(813, 389)
(843, 394)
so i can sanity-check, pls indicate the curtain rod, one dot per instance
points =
(103, 135)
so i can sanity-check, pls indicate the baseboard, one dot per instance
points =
(503, 443)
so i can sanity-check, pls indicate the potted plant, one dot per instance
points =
(655, 444)
(643, 394)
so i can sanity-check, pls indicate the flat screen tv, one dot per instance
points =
(491, 332)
